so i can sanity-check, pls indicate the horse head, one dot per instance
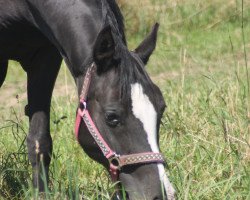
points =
(125, 107)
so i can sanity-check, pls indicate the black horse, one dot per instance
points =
(123, 102)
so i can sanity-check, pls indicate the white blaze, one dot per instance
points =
(144, 110)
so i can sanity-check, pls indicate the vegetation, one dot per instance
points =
(201, 65)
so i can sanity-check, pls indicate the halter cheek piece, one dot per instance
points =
(116, 161)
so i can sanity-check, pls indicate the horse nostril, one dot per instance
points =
(127, 196)
(159, 198)
(121, 195)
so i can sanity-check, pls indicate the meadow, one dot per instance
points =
(201, 65)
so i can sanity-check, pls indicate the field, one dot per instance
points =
(201, 65)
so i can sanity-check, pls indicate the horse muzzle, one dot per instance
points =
(142, 183)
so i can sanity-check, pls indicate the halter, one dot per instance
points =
(116, 161)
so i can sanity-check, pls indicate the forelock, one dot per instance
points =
(131, 70)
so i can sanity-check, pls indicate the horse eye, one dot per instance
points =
(112, 119)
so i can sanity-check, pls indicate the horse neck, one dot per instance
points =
(72, 26)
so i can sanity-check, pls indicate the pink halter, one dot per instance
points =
(116, 161)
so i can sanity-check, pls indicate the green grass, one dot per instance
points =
(200, 65)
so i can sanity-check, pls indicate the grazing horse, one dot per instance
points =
(119, 109)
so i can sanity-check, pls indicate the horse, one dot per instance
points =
(120, 108)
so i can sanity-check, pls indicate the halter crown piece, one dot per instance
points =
(116, 161)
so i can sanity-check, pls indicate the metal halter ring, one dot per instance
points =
(83, 105)
(115, 162)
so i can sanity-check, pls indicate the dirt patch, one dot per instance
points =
(11, 95)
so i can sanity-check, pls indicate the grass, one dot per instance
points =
(201, 65)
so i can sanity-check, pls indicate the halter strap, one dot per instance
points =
(116, 161)
(86, 83)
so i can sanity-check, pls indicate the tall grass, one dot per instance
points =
(201, 66)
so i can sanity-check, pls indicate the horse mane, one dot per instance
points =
(130, 69)
(113, 6)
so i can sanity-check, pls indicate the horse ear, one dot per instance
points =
(146, 48)
(104, 49)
